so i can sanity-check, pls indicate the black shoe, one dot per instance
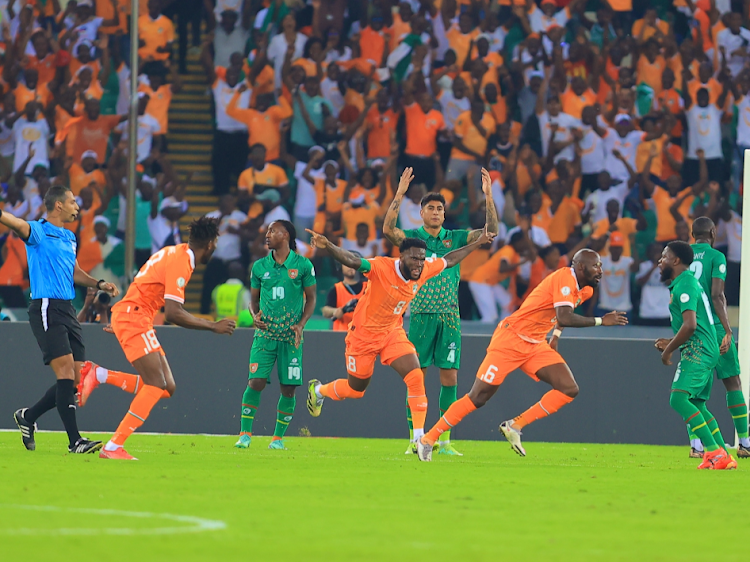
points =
(695, 453)
(27, 429)
(84, 446)
(743, 452)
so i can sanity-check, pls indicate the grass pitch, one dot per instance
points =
(195, 497)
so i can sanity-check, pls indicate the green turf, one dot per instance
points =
(347, 499)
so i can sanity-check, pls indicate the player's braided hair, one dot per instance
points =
(203, 230)
(289, 227)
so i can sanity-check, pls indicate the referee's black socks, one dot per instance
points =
(66, 406)
(45, 404)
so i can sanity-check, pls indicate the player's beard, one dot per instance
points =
(666, 274)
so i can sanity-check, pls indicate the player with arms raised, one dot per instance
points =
(519, 342)
(435, 324)
(160, 283)
(710, 269)
(282, 300)
(377, 325)
(695, 337)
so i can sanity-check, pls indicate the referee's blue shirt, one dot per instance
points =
(51, 252)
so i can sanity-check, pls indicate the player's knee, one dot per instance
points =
(479, 397)
(677, 400)
(570, 390)
(287, 391)
(732, 384)
(355, 394)
(257, 384)
(170, 388)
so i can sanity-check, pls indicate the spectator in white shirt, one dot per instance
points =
(654, 307)
(230, 36)
(272, 209)
(559, 131)
(228, 248)
(734, 43)
(730, 227)
(31, 131)
(280, 43)
(704, 133)
(742, 103)
(366, 247)
(306, 200)
(614, 288)
(410, 214)
(147, 128)
(593, 152)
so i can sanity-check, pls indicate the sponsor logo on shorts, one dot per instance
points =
(181, 282)
(253, 367)
(447, 243)
(293, 274)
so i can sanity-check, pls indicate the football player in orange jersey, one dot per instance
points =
(519, 342)
(160, 283)
(377, 325)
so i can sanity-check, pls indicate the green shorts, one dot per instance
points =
(729, 363)
(695, 379)
(437, 338)
(265, 353)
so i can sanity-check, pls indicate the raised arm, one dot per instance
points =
(339, 254)
(19, 226)
(394, 234)
(491, 220)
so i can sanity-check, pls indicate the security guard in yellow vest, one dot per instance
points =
(231, 298)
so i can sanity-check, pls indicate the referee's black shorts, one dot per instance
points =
(56, 329)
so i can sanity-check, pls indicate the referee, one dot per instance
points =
(53, 268)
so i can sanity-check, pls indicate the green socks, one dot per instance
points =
(250, 403)
(738, 410)
(284, 414)
(711, 423)
(409, 420)
(448, 395)
(680, 402)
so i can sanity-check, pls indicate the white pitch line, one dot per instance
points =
(197, 524)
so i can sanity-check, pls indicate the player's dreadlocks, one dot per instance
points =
(291, 231)
(202, 231)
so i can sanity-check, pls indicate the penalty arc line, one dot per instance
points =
(198, 524)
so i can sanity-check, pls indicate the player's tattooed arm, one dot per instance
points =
(394, 234)
(491, 219)
(456, 256)
(566, 318)
(339, 254)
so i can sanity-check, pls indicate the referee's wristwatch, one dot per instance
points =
(99, 284)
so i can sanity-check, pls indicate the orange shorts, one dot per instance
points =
(136, 334)
(508, 352)
(362, 348)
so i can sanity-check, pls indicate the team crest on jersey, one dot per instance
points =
(448, 243)
(414, 288)
(253, 367)
(181, 282)
(578, 301)
(293, 274)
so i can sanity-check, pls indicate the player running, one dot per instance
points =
(519, 342)
(282, 300)
(160, 283)
(695, 336)
(377, 325)
(435, 323)
(710, 269)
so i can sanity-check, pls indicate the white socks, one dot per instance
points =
(318, 395)
(418, 433)
(111, 446)
(696, 444)
(101, 375)
(745, 441)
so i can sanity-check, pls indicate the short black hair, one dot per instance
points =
(291, 231)
(363, 171)
(702, 226)
(258, 145)
(412, 243)
(682, 250)
(430, 197)
(202, 231)
(309, 44)
(517, 236)
(54, 194)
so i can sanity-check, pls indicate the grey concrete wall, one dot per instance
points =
(624, 390)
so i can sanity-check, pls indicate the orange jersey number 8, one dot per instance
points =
(399, 307)
(152, 260)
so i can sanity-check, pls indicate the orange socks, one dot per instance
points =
(127, 382)
(139, 410)
(458, 411)
(416, 398)
(549, 404)
(339, 390)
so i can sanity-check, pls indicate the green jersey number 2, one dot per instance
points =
(277, 293)
(696, 268)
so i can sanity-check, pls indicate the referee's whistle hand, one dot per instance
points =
(224, 327)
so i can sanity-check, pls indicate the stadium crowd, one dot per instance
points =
(608, 124)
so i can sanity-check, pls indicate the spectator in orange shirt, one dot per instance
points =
(380, 127)
(651, 65)
(423, 123)
(89, 132)
(461, 39)
(650, 26)
(30, 91)
(160, 90)
(577, 96)
(472, 130)
(670, 100)
(373, 40)
(155, 33)
(705, 80)
(263, 122)
(47, 57)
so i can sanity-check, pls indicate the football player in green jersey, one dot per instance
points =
(695, 337)
(435, 324)
(282, 300)
(710, 269)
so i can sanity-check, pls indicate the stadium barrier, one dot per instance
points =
(624, 395)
